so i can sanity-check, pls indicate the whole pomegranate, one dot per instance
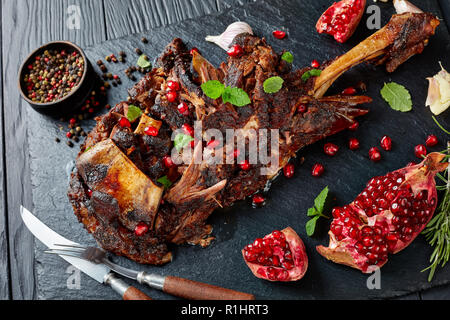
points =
(386, 217)
(279, 256)
(341, 19)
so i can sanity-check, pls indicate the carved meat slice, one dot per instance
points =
(119, 189)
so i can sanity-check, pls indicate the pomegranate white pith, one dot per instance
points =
(386, 217)
(279, 256)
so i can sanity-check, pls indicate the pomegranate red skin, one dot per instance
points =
(341, 19)
(345, 246)
(299, 257)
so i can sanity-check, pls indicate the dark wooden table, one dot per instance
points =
(25, 25)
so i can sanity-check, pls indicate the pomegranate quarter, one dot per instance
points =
(386, 217)
(279, 256)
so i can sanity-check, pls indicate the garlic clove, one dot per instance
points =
(439, 92)
(402, 6)
(226, 38)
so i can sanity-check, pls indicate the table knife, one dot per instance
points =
(99, 272)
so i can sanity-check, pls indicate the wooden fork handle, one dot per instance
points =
(126, 291)
(193, 290)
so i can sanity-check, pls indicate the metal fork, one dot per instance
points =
(179, 287)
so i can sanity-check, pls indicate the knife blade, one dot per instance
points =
(99, 272)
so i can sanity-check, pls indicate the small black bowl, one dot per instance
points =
(77, 95)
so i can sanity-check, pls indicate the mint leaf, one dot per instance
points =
(133, 113)
(235, 96)
(311, 226)
(311, 73)
(143, 62)
(319, 202)
(181, 141)
(397, 96)
(165, 182)
(273, 85)
(312, 212)
(213, 89)
(288, 57)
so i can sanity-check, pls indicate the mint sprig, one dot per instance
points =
(165, 182)
(288, 57)
(316, 212)
(181, 141)
(133, 113)
(397, 96)
(236, 96)
(311, 73)
(143, 62)
(273, 84)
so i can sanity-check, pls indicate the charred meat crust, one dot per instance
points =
(202, 188)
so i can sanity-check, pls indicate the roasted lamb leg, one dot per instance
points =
(200, 188)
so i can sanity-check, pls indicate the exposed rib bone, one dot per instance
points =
(404, 36)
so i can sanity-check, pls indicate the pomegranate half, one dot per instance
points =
(279, 256)
(386, 217)
(341, 19)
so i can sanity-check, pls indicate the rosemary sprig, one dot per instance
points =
(437, 231)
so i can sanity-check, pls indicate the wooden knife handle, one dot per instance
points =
(126, 291)
(135, 294)
(193, 290)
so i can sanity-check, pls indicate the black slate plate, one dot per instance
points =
(288, 200)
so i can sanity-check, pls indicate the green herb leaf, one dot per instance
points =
(397, 96)
(133, 113)
(319, 202)
(311, 73)
(181, 141)
(144, 63)
(311, 226)
(165, 182)
(312, 212)
(273, 85)
(236, 96)
(288, 57)
(213, 89)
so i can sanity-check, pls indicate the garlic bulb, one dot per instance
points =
(225, 39)
(439, 92)
(402, 6)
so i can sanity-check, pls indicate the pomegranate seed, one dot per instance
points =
(188, 129)
(289, 170)
(124, 123)
(353, 144)
(386, 143)
(73, 121)
(302, 108)
(374, 154)
(68, 135)
(212, 144)
(235, 51)
(89, 193)
(279, 34)
(331, 149)
(236, 153)
(315, 64)
(354, 126)
(194, 50)
(349, 91)
(432, 141)
(173, 85)
(168, 162)
(141, 229)
(258, 200)
(420, 151)
(318, 170)
(245, 165)
(183, 109)
(171, 96)
(151, 131)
